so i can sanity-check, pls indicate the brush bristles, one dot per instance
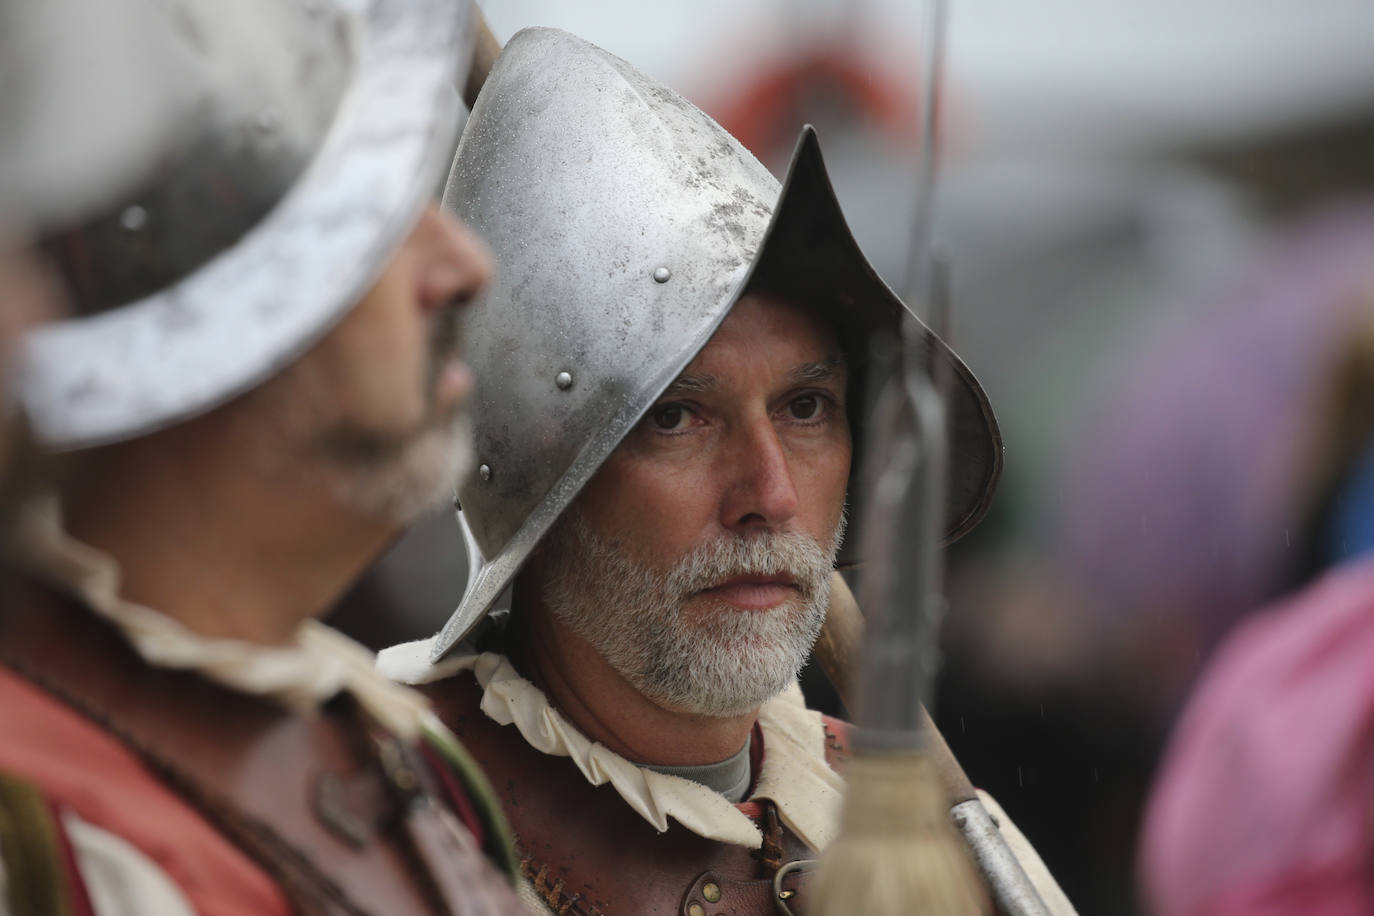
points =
(897, 852)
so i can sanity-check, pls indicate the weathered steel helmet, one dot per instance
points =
(316, 131)
(71, 70)
(626, 224)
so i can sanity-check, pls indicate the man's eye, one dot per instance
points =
(805, 407)
(669, 416)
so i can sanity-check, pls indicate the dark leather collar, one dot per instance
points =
(330, 805)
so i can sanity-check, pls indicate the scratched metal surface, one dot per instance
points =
(357, 174)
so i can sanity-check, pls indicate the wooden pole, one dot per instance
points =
(484, 53)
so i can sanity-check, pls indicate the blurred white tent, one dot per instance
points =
(1071, 196)
(1049, 73)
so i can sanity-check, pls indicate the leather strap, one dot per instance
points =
(330, 805)
(585, 851)
(32, 852)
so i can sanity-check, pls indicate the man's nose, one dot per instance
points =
(761, 493)
(458, 264)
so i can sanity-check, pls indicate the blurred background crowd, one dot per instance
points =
(1161, 222)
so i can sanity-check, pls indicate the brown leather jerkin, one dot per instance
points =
(587, 852)
(330, 805)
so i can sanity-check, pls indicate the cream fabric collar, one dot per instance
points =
(795, 774)
(320, 663)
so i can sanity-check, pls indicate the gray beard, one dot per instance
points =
(727, 662)
(389, 476)
(412, 475)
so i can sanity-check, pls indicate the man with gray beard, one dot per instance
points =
(674, 362)
(257, 387)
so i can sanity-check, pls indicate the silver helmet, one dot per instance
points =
(626, 223)
(71, 70)
(314, 131)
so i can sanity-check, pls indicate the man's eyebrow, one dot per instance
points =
(690, 384)
(822, 370)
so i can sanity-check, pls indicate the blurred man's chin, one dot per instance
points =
(425, 476)
(414, 479)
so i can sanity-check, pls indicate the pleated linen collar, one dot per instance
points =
(796, 776)
(317, 664)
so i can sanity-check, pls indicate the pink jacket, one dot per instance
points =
(1264, 803)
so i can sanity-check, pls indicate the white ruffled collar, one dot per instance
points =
(796, 776)
(318, 664)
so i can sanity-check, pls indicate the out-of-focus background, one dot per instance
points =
(1162, 231)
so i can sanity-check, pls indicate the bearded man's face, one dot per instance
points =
(716, 661)
(376, 410)
(697, 560)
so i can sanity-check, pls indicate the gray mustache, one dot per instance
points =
(768, 553)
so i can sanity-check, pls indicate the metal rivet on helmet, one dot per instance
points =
(268, 120)
(662, 274)
(133, 218)
(563, 380)
(222, 177)
(485, 472)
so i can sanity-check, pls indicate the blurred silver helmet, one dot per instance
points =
(71, 70)
(313, 132)
(626, 223)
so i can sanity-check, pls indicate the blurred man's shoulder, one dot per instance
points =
(85, 818)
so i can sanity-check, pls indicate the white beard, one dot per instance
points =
(726, 662)
(390, 476)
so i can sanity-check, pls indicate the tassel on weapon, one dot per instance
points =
(899, 850)
(837, 651)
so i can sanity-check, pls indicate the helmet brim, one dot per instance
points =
(257, 306)
(810, 256)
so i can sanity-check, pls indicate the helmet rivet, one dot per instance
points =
(662, 274)
(133, 218)
(484, 472)
(268, 119)
(563, 380)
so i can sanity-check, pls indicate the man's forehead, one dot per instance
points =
(828, 369)
(763, 328)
